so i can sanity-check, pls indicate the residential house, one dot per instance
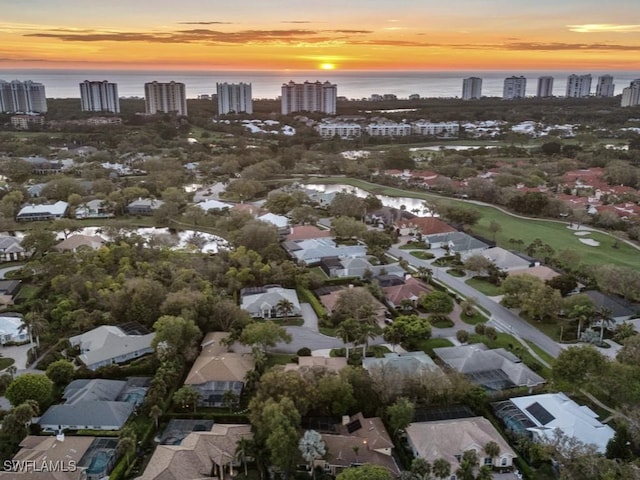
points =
(542, 272)
(423, 226)
(210, 454)
(306, 232)
(144, 206)
(9, 289)
(329, 297)
(213, 205)
(494, 370)
(76, 242)
(449, 439)
(95, 404)
(456, 242)
(45, 211)
(76, 458)
(539, 416)
(505, 260)
(265, 302)
(358, 441)
(312, 251)
(409, 291)
(11, 329)
(279, 221)
(11, 250)
(219, 370)
(94, 209)
(359, 267)
(109, 344)
(620, 309)
(252, 210)
(398, 370)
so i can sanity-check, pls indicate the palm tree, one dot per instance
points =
(367, 313)
(584, 314)
(347, 331)
(126, 443)
(284, 307)
(441, 468)
(424, 273)
(155, 412)
(34, 323)
(468, 306)
(367, 332)
(492, 449)
(243, 446)
(604, 314)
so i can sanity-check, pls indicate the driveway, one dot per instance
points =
(5, 270)
(18, 353)
(309, 316)
(306, 337)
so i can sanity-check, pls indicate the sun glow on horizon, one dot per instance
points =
(327, 66)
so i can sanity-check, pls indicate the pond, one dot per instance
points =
(413, 205)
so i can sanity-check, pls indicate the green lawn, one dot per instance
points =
(274, 359)
(442, 322)
(541, 353)
(485, 287)
(6, 362)
(456, 272)
(554, 233)
(328, 331)
(475, 319)
(427, 346)
(414, 246)
(422, 255)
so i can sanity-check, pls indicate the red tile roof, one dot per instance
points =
(426, 225)
(306, 232)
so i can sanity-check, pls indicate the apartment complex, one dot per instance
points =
(605, 86)
(99, 97)
(165, 98)
(578, 86)
(514, 87)
(388, 129)
(234, 98)
(545, 87)
(22, 97)
(631, 94)
(471, 88)
(309, 97)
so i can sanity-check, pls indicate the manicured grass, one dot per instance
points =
(289, 322)
(318, 271)
(6, 362)
(427, 346)
(485, 287)
(414, 246)
(554, 233)
(274, 359)
(441, 322)
(27, 292)
(455, 272)
(328, 331)
(474, 319)
(541, 353)
(422, 255)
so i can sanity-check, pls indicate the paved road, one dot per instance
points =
(306, 337)
(503, 316)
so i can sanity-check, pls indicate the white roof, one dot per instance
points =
(107, 342)
(257, 302)
(504, 259)
(58, 208)
(572, 419)
(10, 326)
(277, 220)
(213, 205)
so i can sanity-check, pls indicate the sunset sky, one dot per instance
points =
(303, 35)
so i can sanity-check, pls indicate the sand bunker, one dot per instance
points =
(590, 241)
(581, 232)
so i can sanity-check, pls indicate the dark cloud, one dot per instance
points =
(568, 46)
(205, 23)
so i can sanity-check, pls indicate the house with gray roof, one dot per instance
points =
(311, 251)
(620, 309)
(262, 302)
(94, 209)
(279, 221)
(505, 260)
(213, 204)
(456, 242)
(494, 369)
(144, 206)
(93, 404)
(359, 266)
(11, 250)
(109, 344)
(397, 369)
(46, 211)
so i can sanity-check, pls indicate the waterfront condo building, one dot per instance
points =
(165, 98)
(471, 88)
(514, 87)
(545, 87)
(99, 97)
(234, 98)
(578, 86)
(309, 97)
(631, 94)
(22, 97)
(605, 86)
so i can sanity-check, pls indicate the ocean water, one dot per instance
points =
(353, 85)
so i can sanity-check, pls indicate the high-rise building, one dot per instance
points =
(578, 86)
(99, 97)
(22, 97)
(471, 88)
(514, 87)
(545, 87)
(309, 97)
(165, 98)
(631, 94)
(605, 86)
(234, 98)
